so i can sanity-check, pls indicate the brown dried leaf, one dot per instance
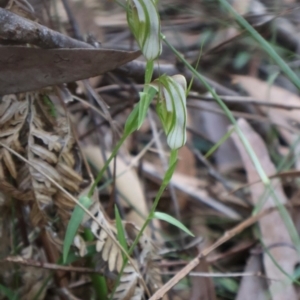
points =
(253, 287)
(261, 90)
(26, 69)
(203, 288)
(214, 126)
(187, 166)
(191, 186)
(285, 256)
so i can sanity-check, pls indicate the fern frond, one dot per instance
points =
(129, 288)
(13, 114)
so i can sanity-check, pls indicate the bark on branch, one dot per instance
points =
(14, 28)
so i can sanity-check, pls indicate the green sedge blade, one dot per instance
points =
(120, 231)
(51, 106)
(222, 140)
(8, 293)
(73, 225)
(171, 220)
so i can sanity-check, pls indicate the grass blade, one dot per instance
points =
(73, 225)
(8, 293)
(263, 43)
(120, 231)
(171, 220)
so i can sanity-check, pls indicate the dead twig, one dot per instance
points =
(191, 265)
(44, 265)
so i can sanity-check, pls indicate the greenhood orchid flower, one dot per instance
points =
(144, 22)
(171, 108)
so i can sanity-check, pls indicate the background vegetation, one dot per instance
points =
(236, 182)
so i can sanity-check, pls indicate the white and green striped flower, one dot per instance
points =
(171, 108)
(144, 22)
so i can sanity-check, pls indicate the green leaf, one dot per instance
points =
(149, 71)
(73, 225)
(139, 112)
(120, 231)
(241, 60)
(51, 106)
(145, 100)
(228, 283)
(8, 293)
(132, 121)
(143, 108)
(171, 220)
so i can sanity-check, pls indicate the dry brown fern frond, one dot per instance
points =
(36, 125)
(112, 259)
(69, 164)
(130, 286)
(148, 256)
(49, 146)
(110, 252)
(6, 274)
(13, 114)
(32, 278)
(21, 8)
(42, 148)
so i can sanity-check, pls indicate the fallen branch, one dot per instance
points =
(44, 265)
(16, 29)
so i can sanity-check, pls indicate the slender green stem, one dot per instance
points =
(148, 73)
(100, 174)
(166, 181)
(219, 143)
(98, 281)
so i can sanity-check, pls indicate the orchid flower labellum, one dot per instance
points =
(171, 108)
(144, 22)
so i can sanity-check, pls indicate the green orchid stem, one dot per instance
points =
(166, 181)
(98, 281)
(148, 73)
(100, 174)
